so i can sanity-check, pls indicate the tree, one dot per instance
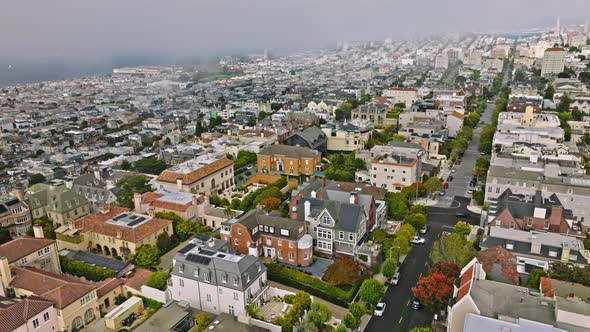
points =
(407, 231)
(202, 320)
(130, 185)
(549, 92)
(357, 310)
(433, 184)
(389, 267)
(535, 278)
(371, 291)
(584, 77)
(146, 256)
(343, 167)
(462, 228)
(397, 206)
(452, 248)
(486, 139)
(434, 290)
(36, 178)
(271, 203)
(421, 329)
(158, 280)
(402, 243)
(564, 105)
(417, 220)
(419, 208)
(125, 165)
(199, 129)
(244, 158)
(451, 270)
(319, 314)
(482, 164)
(163, 242)
(150, 166)
(343, 272)
(214, 122)
(351, 322)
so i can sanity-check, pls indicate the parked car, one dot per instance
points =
(470, 191)
(450, 178)
(418, 240)
(442, 192)
(395, 279)
(462, 215)
(379, 308)
(415, 304)
(446, 185)
(482, 153)
(453, 170)
(424, 229)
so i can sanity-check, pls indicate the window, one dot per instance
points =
(181, 283)
(305, 256)
(208, 297)
(280, 254)
(224, 278)
(235, 281)
(552, 253)
(36, 323)
(324, 234)
(509, 246)
(546, 226)
(236, 296)
(290, 244)
(284, 232)
(40, 252)
(46, 316)
(350, 236)
(573, 257)
(280, 243)
(236, 242)
(291, 257)
(326, 219)
(181, 268)
(239, 231)
(88, 316)
(341, 235)
(206, 277)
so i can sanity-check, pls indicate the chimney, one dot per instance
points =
(104, 208)
(179, 184)
(195, 200)
(307, 207)
(97, 173)
(5, 275)
(313, 194)
(137, 202)
(19, 192)
(354, 198)
(324, 181)
(38, 231)
(253, 250)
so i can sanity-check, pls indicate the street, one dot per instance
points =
(399, 315)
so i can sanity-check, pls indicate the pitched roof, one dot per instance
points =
(465, 284)
(107, 285)
(458, 115)
(255, 217)
(347, 216)
(191, 177)
(495, 257)
(18, 313)
(60, 290)
(138, 279)
(23, 246)
(289, 151)
(59, 199)
(97, 223)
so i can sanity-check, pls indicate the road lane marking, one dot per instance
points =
(400, 320)
(407, 304)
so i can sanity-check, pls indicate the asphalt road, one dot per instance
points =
(399, 315)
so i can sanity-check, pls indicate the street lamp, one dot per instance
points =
(398, 247)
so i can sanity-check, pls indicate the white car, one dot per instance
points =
(418, 240)
(395, 279)
(453, 170)
(379, 309)
(424, 229)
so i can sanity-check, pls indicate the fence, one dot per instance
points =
(156, 294)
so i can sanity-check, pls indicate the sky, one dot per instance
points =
(81, 30)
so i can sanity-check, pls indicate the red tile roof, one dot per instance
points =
(107, 285)
(195, 175)
(403, 89)
(149, 197)
(138, 279)
(555, 49)
(97, 223)
(23, 246)
(171, 206)
(15, 315)
(458, 115)
(60, 290)
(546, 286)
(465, 284)
(490, 256)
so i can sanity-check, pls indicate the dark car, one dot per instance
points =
(415, 304)
(450, 178)
(462, 215)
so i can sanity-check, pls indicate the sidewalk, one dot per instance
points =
(337, 311)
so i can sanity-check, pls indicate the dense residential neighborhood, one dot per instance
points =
(432, 184)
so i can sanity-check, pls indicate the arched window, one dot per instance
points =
(89, 316)
(77, 324)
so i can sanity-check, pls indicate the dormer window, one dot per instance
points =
(181, 268)
(326, 219)
(235, 281)
(224, 278)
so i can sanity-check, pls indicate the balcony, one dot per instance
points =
(263, 288)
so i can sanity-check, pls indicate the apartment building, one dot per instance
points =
(15, 215)
(209, 277)
(56, 203)
(112, 232)
(553, 61)
(288, 160)
(312, 138)
(206, 174)
(485, 305)
(258, 233)
(402, 95)
(393, 166)
(529, 118)
(520, 103)
(423, 123)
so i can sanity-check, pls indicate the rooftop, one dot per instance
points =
(23, 246)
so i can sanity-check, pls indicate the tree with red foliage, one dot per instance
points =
(449, 269)
(343, 272)
(271, 203)
(434, 290)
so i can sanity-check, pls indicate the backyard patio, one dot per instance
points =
(273, 309)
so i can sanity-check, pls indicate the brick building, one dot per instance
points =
(257, 233)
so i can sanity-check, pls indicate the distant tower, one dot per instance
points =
(266, 54)
(558, 26)
(586, 27)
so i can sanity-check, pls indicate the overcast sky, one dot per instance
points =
(34, 28)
